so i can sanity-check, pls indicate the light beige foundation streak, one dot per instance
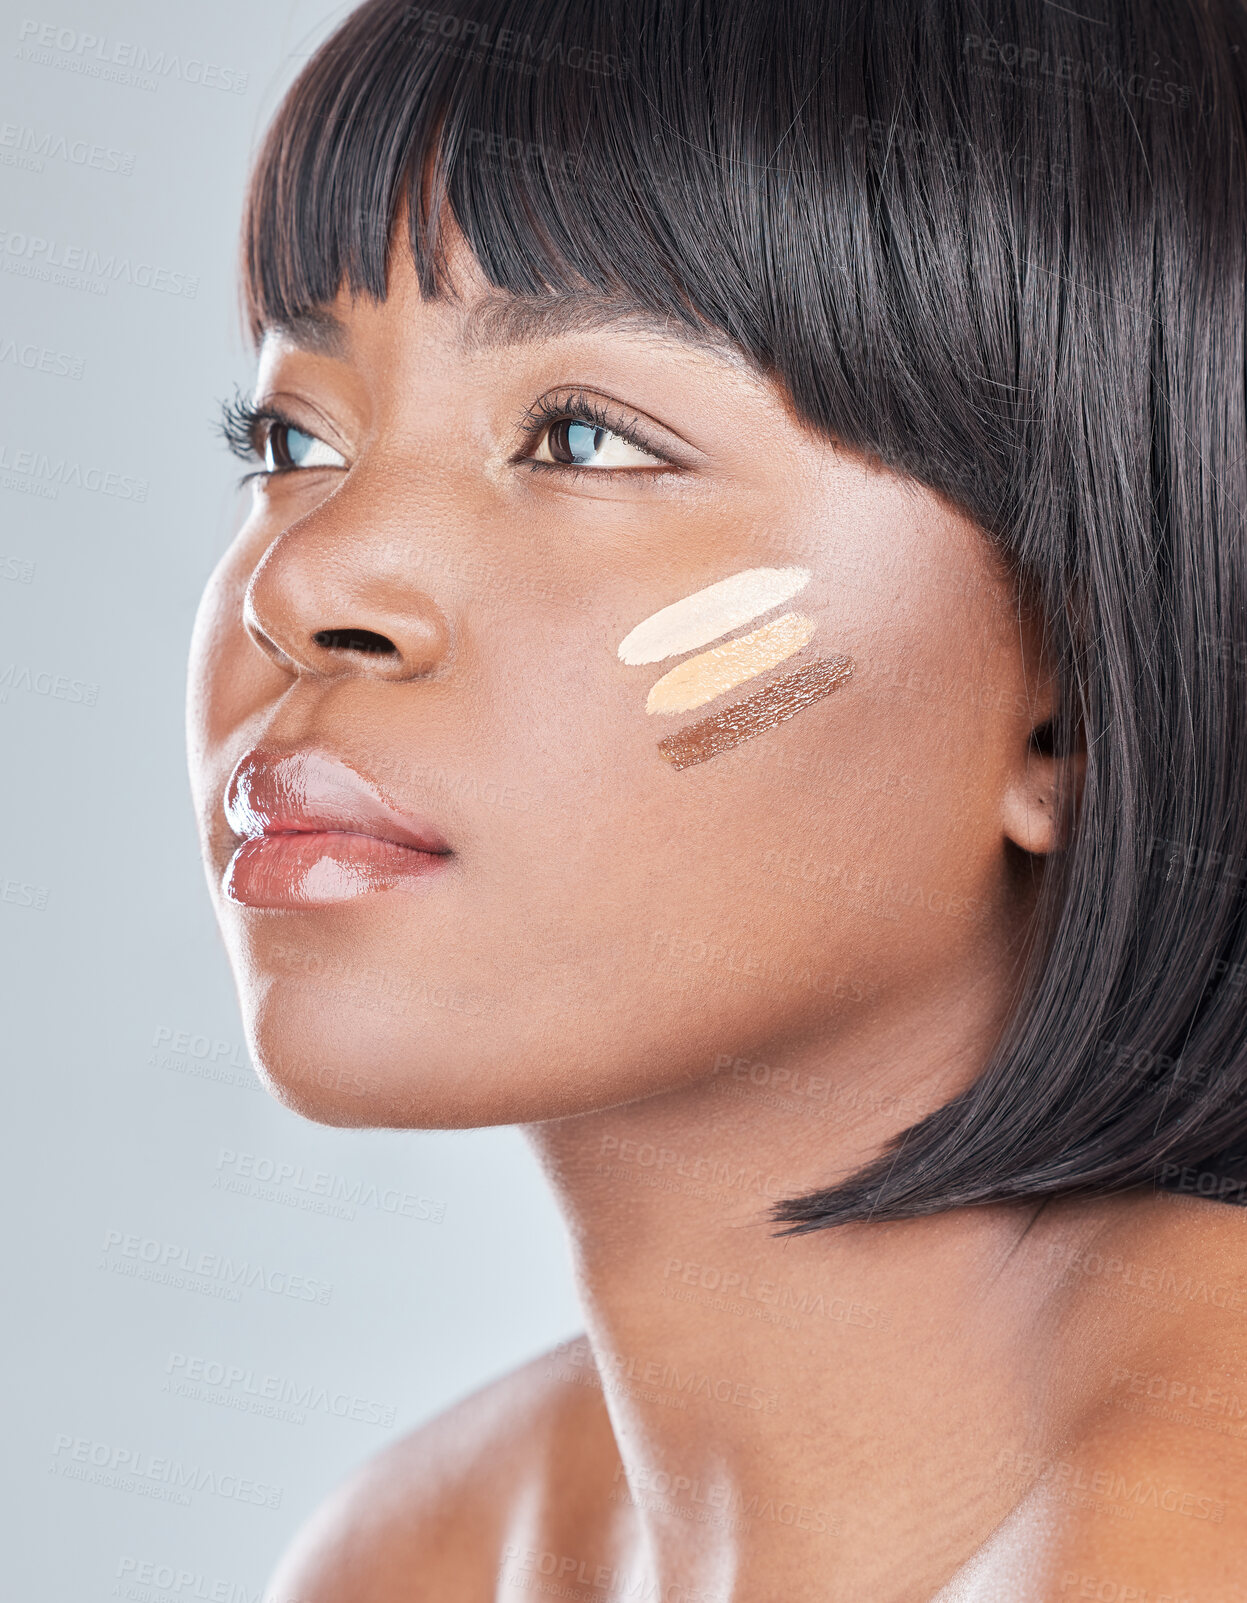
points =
(707, 614)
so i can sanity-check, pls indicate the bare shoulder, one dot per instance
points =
(435, 1514)
(1141, 1516)
(1149, 1500)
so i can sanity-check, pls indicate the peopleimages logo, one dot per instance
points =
(213, 1273)
(279, 1180)
(122, 61)
(38, 473)
(40, 358)
(238, 1386)
(145, 1580)
(21, 145)
(18, 893)
(49, 261)
(42, 682)
(127, 1469)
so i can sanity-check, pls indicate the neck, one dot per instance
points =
(780, 1404)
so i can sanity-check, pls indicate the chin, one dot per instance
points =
(352, 1060)
(355, 1062)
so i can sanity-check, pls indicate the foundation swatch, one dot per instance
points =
(711, 673)
(706, 614)
(779, 700)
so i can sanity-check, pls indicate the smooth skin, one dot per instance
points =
(699, 990)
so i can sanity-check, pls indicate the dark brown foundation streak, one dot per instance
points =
(779, 700)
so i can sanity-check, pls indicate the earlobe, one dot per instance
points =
(1041, 802)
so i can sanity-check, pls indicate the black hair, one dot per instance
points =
(1000, 248)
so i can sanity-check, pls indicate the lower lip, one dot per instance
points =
(318, 868)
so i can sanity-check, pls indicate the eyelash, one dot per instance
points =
(243, 426)
(577, 407)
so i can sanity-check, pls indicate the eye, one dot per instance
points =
(266, 435)
(574, 430)
(573, 442)
(286, 447)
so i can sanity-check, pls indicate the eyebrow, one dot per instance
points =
(316, 330)
(499, 321)
(504, 320)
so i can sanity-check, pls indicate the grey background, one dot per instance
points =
(125, 1076)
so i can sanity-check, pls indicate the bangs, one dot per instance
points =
(1003, 259)
(561, 170)
(737, 166)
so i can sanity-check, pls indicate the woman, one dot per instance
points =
(732, 665)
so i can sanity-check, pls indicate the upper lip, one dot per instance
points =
(306, 792)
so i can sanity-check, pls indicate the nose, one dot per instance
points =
(330, 602)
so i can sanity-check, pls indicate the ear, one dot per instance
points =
(1041, 800)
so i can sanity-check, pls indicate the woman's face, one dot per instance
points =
(460, 880)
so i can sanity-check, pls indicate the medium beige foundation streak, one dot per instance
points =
(783, 698)
(712, 673)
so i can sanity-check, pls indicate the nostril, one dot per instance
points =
(355, 640)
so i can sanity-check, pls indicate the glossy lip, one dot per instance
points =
(314, 832)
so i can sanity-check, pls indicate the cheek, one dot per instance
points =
(860, 839)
